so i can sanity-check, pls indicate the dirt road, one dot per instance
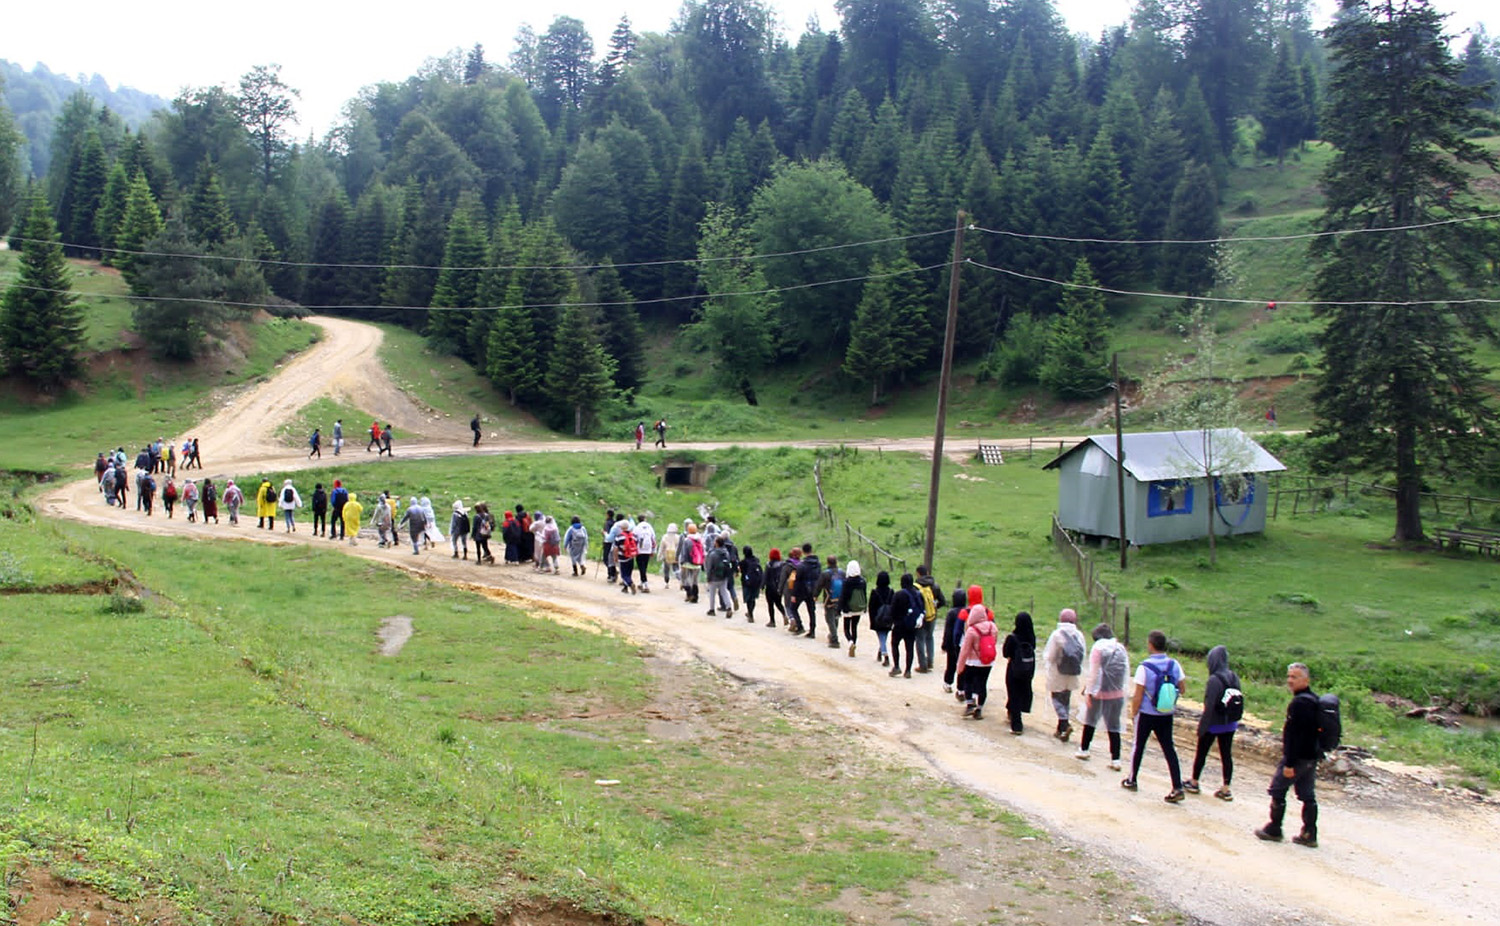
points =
(1393, 852)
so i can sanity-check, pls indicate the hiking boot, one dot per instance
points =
(978, 713)
(1224, 794)
(1191, 787)
(1307, 839)
(894, 672)
(851, 650)
(749, 618)
(1129, 784)
(1174, 796)
(710, 612)
(970, 708)
(833, 644)
(908, 673)
(1268, 834)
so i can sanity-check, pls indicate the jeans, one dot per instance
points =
(291, 518)
(1147, 725)
(1061, 701)
(924, 644)
(831, 620)
(718, 595)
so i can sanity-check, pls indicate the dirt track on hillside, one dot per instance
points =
(1394, 851)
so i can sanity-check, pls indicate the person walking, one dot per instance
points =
(482, 527)
(775, 568)
(551, 545)
(1223, 706)
(906, 615)
(932, 601)
(625, 549)
(576, 542)
(338, 438)
(415, 522)
(197, 458)
(320, 510)
(349, 516)
(386, 436)
(383, 520)
(853, 599)
(805, 592)
(751, 578)
(691, 556)
(882, 602)
(1104, 693)
(265, 505)
(190, 499)
(640, 433)
(953, 638)
(1019, 651)
(433, 535)
(458, 528)
(315, 444)
(978, 652)
(233, 499)
(831, 592)
(720, 569)
(1298, 768)
(668, 546)
(645, 547)
(374, 437)
(474, 426)
(337, 499)
(1062, 662)
(210, 501)
(788, 590)
(172, 458)
(661, 433)
(1153, 704)
(289, 502)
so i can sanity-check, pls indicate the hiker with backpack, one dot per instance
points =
(374, 436)
(1104, 693)
(169, 497)
(661, 433)
(932, 600)
(831, 591)
(625, 547)
(789, 590)
(1062, 658)
(1223, 706)
(1019, 651)
(190, 499)
(320, 510)
(906, 616)
(210, 501)
(853, 598)
(751, 577)
(720, 571)
(415, 522)
(1158, 680)
(882, 600)
(576, 542)
(691, 556)
(775, 568)
(978, 652)
(953, 637)
(233, 499)
(337, 499)
(289, 501)
(315, 444)
(265, 505)
(805, 590)
(645, 547)
(668, 547)
(481, 527)
(458, 528)
(349, 516)
(1311, 729)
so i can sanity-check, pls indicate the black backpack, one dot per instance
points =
(1330, 723)
(750, 572)
(1232, 701)
(287, 495)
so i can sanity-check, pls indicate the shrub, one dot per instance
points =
(1283, 340)
(1299, 599)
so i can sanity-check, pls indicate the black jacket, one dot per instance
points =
(1299, 736)
(807, 578)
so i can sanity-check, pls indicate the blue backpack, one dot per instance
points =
(1165, 697)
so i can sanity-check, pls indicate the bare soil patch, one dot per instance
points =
(394, 632)
(38, 896)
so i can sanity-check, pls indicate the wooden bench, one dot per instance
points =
(1485, 542)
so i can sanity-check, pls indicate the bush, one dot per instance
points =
(1283, 340)
(1298, 363)
(1018, 359)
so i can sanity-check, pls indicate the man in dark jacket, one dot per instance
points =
(805, 591)
(320, 510)
(1299, 761)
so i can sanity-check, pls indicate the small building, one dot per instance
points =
(1166, 485)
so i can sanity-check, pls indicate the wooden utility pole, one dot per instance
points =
(944, 378)
(1114, 366)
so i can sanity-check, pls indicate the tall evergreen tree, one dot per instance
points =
(579, 376)
(1106, 212)
(734, 321)
(1401, 391)
(1283, 111)
(520, 339)
(620, 332)
(458, 285)
(690, 196)
(111, 210)
(41, 325)
(1192, 268)
(12, 178)
(86, 192)
(892, 331)
(138, 227)
(208, 215)
(1076, 365)
(326, 283)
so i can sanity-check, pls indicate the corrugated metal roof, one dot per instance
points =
(1161, 455)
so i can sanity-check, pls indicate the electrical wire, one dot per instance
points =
(1302, 236)
(1232, 301)
(496, 308)
(572, 267)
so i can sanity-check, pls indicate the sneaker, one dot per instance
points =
(833, 644)
(1016, 732)
(908, 673)
(978, 713)
(1082, 754)
(894, 672)
(1128, 784)
(959, 695)
(947, 689)
(1191, 787)
(710, 612)
(1304, 839)
(970, 708)
(1175, 796)
(1114, 765)
(1268, 834)
(851, 650)
(1224, 794)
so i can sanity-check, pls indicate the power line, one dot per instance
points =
(573, 267)
(496, 308)
(1303, 236)
(1224, 299)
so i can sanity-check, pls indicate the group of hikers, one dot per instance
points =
(1087, 680)
(161, 458)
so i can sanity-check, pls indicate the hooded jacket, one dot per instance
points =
(351, 512)
(1052, 654)
(265, 500)
(281, 499)
(1220, 678)
(978, 622)
(953, 624)
(1108, 670)
(906, 606)
(1019, 651)
(669, 543)
(882, 596)
(854, 580)
(645, 536)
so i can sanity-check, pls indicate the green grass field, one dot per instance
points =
(107, 313)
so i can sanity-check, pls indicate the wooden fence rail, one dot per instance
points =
(828, 515)
(1326, 488)
(1093, 587)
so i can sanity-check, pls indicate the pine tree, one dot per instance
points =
(457, 285)
(138, 226)
(1106, 212)
(111, 210)
(41, 325)
(579, 376)
(86, 186)
(519, 343)
(1401, 391)
(620, 330)
(1283, 111)
(690, 195)
(1076, 365)
(326, 283)
(892, 332)
(1194, 216)
(504, 255)
(12, 179)
(208, 215)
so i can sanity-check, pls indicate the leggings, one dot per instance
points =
(1088, 737)
(899, 636)
(1226, 745)
(851, 627)
(977, 683)
(481, 549)
(642, 563)
(320, 520)
(1159, 725)
(774, 605)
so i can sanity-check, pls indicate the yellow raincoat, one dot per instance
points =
(265, 500)
(352, 511)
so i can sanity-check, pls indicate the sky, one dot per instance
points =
(328, 51)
